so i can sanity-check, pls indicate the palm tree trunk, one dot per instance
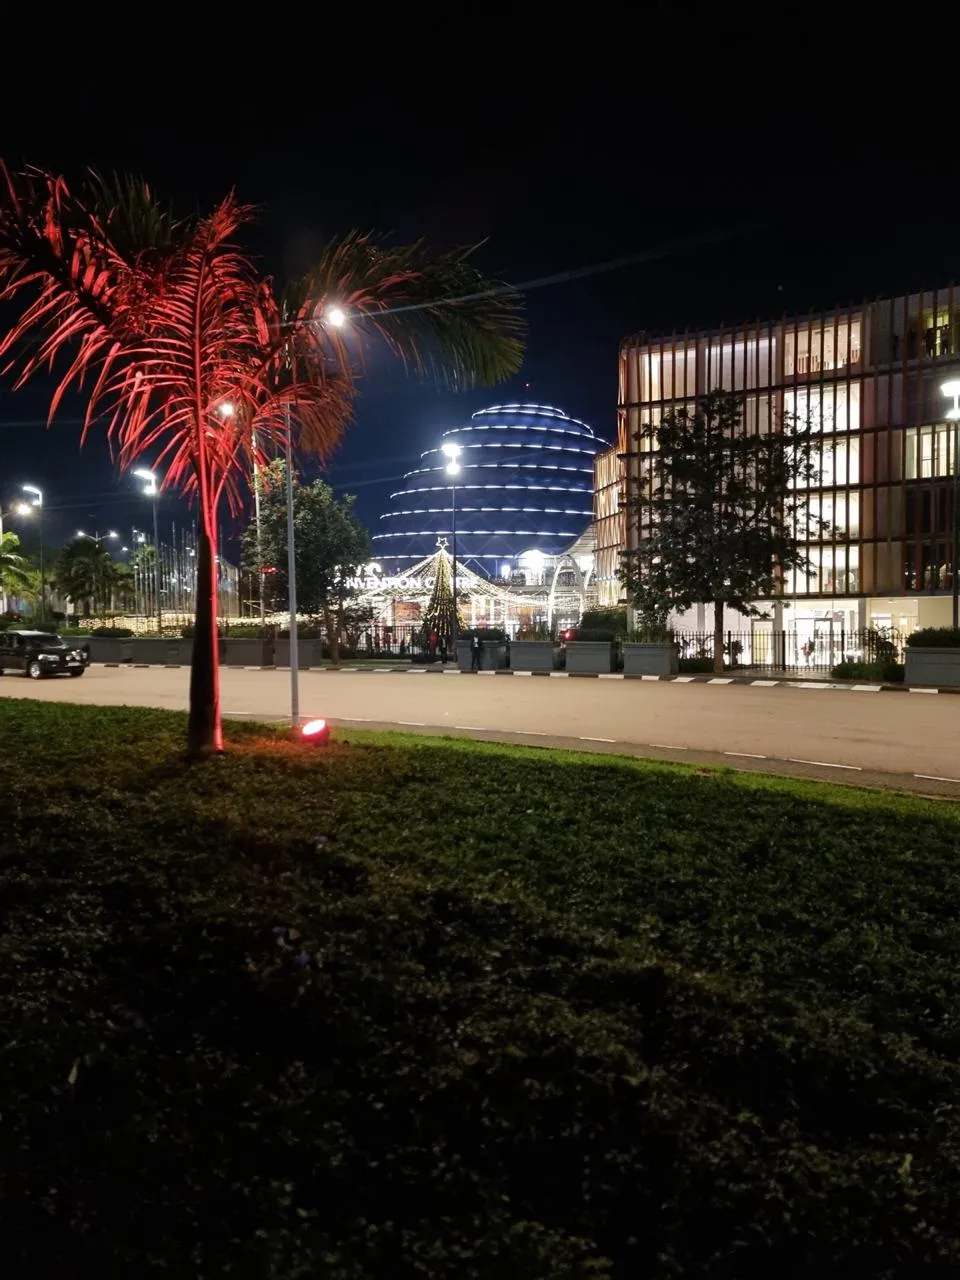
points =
(204, 730)
(718, 636)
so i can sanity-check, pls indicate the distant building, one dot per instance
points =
(522, 498)
(869, 379)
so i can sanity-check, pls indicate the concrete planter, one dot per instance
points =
(642, 659)
(309, 653)
(532, 655)
(589, 657)
(936, 668)
(492, 658)
(248, 652)
(106, 649)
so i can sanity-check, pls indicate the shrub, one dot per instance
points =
(485, 633)
(114, 633)
(695, 666)
(887, 672)
(613, 621)
(597, 633)
(934, 638)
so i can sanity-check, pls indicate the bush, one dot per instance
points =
(887, 672)
(934, 638)
(596, 633)
(114, 633)
(485, 633)
(613, 621)
(695, 666)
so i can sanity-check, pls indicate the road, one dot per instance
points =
(908, 741)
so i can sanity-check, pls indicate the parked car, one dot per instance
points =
(38, 654)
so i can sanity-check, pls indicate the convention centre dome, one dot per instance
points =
(525, 484)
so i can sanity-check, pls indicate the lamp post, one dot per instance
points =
(336, 318)
(952, 389)
(452, 453)
(151, 490)
(38, 504)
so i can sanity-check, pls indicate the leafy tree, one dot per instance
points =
(87, 574)
(331, 545)
(14, 568)
(194, 360)
(721, 513)
(441, 610)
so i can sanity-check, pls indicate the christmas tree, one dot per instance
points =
(441, 612)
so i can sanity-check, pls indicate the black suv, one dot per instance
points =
(38, 654)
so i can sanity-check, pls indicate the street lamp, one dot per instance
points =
(336, 317)
(952, 389)
(38, 504)
(452, 453)
(150, 490)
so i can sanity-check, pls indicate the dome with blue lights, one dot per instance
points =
(523, 482)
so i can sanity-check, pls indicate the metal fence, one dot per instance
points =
(817, 650)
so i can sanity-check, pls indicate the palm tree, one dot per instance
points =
(86, 572)
(189, 356)
(14, 568)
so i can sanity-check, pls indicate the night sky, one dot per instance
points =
(555, 165)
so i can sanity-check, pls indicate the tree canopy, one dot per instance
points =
(330, 546)
(721, 512)
(85, 572)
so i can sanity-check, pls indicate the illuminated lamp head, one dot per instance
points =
(316, 732)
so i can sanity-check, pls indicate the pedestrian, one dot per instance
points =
(443, 649)
(476, 653)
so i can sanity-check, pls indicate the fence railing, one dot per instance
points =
(815, 650)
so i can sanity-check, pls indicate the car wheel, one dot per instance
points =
(75, 675)
(34, 670)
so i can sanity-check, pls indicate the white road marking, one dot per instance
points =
(348, 719)
(586, 739)
(764, 684)
(657, 678)
(812, 684)
(745, 755)
(473, 728)
(416, 724)
(866, 688)
(933, 777)
(531, 733)
(522, 673)
(684, 679)
(417, 671)
(617, 675)
(666, 746)
(559, 673)
(825, 764)
(913, 689)
(719, 680)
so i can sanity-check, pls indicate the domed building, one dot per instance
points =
(523, 493)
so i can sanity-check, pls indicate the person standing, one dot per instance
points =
(476, 653)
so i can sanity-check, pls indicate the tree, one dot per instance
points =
(722, 514)
(87, 574)
(14, 568)
(441, 610)
(196, 361)
(330, 547)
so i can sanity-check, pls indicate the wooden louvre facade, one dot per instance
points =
(868, 378)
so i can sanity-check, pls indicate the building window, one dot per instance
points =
(836, 462)
(928, 452)
(833, 571)
(834, 346)
(826, 409)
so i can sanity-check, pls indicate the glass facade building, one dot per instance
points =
(525, 486)
(868, 379)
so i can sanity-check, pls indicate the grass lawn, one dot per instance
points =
(405, 1008)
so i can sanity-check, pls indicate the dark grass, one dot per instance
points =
(409, 1008)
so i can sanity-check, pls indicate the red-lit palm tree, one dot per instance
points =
(186, 354)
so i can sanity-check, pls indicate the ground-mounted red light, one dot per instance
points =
(316, 731)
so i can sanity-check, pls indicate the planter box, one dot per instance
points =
(643, 659)
(309, 653)
(247, 652)
(933, 667)
(532, 655)
(493, 656)
(106, 649)
(589, 657)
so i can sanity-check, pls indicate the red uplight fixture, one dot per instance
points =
(315, 731)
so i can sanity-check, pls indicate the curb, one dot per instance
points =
(755, 681)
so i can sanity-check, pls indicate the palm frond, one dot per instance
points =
(439, 314)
